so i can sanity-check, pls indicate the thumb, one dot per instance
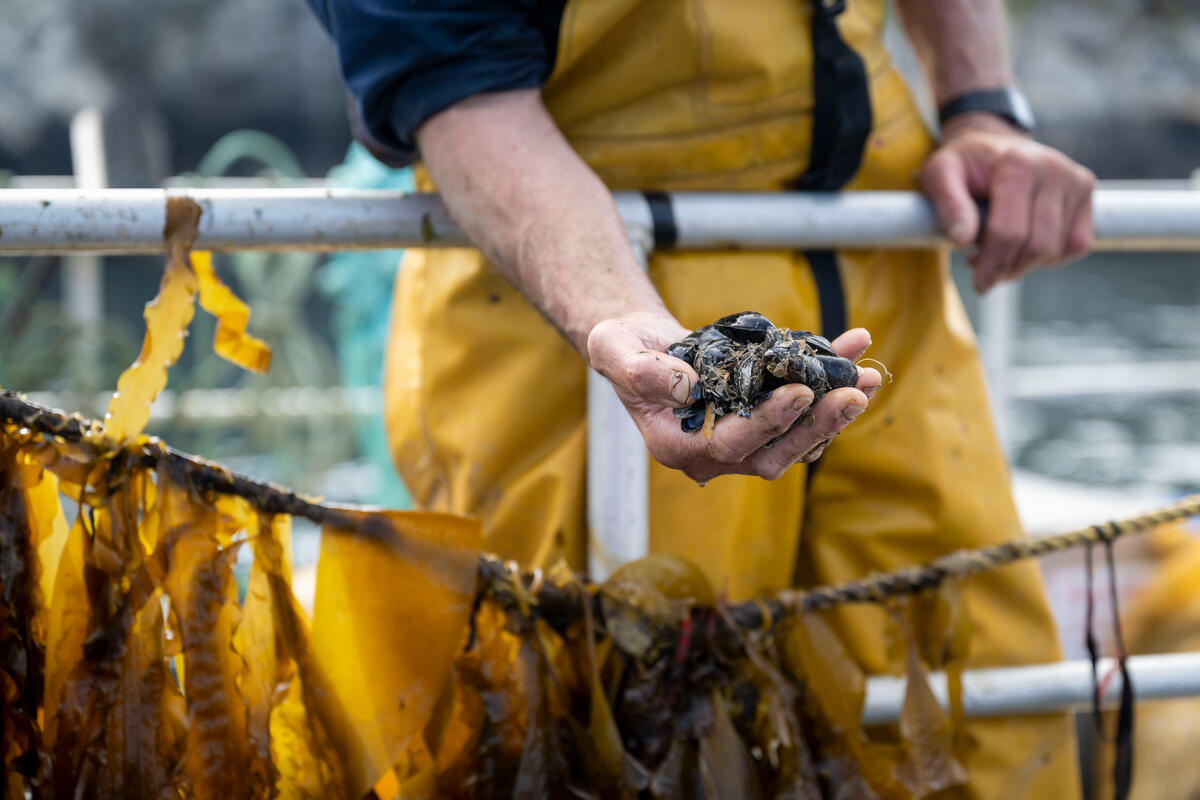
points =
(944, 177)
(651, 376)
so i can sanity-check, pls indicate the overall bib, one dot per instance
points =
(485, 401)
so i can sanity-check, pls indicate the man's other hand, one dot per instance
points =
(1039, 201)
(628, 351)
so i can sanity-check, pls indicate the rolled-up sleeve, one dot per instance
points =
(405, 60)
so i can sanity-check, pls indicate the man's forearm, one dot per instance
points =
(963, 44)
(536, 210)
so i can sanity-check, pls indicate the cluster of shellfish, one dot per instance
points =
(742, 358)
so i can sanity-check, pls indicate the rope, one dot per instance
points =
(559, 605)
(912, 580)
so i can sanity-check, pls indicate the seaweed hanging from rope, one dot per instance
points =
(129, 666)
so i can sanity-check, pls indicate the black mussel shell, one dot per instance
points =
(820, 345)
(839, 371)
(742, 358)
(715, 352)
(807, 370)
(748, 326)
(707, 333)
(685, 351)
(777, 357)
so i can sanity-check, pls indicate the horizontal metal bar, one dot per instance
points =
(227, 405)
(1077, 381)
(1043, 688)
(131, 220)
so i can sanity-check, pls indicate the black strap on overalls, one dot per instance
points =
(841, 123)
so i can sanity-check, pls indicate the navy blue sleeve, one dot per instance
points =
(405, 60)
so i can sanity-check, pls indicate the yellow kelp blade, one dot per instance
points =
(929, 766)
(263, 643)
(199, 583)
(231, 342)
(66, 630)
(390, 613)
(48, 529)
(167, 318)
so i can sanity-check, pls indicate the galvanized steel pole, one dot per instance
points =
(1042, 688)
(618, 468)
(131, 220)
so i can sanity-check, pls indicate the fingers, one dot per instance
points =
(1014, 182)
(944, 177)
(806, 443)
(1039, 200)
(650, 383)
(852, 344)
(737, 438)
(1047, 231)
(1079, 215)
(869, 380)
(1040, 215)
(620, 354)
(1061, 217)
(734, 438)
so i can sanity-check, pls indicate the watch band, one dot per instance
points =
(1007, 103)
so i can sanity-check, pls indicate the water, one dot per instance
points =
(1110, 307)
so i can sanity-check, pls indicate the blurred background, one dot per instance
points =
(1095, 368)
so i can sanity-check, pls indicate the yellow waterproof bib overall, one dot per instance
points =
(485, 402)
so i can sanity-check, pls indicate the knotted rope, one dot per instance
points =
(564, 603)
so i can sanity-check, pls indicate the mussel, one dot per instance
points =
(742, 358)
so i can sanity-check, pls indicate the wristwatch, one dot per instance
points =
(1007, 103)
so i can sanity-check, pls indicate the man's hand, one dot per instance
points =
(1039, 201)
(628, 350)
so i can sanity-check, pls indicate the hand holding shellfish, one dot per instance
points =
(661, 390)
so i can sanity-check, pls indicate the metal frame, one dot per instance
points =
(131, 220)
(1042, 688)
(75, 221)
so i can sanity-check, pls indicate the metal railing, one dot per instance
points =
(131, 221)
(1042, 688)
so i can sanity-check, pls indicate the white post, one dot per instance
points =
(999, 317)
(83, 283)
(618, 469)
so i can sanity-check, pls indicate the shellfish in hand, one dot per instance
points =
(742, 358)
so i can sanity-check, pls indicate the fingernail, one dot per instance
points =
(681, 387)
(960, 230)
(815, 452)
(870, 391)
(800, 403)
(852, 410)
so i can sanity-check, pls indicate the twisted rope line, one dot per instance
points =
(560, 605)
(911, 580)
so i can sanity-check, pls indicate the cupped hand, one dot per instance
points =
(1039, 200)
(628, 350)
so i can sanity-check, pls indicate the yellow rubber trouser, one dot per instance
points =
(486, 414)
